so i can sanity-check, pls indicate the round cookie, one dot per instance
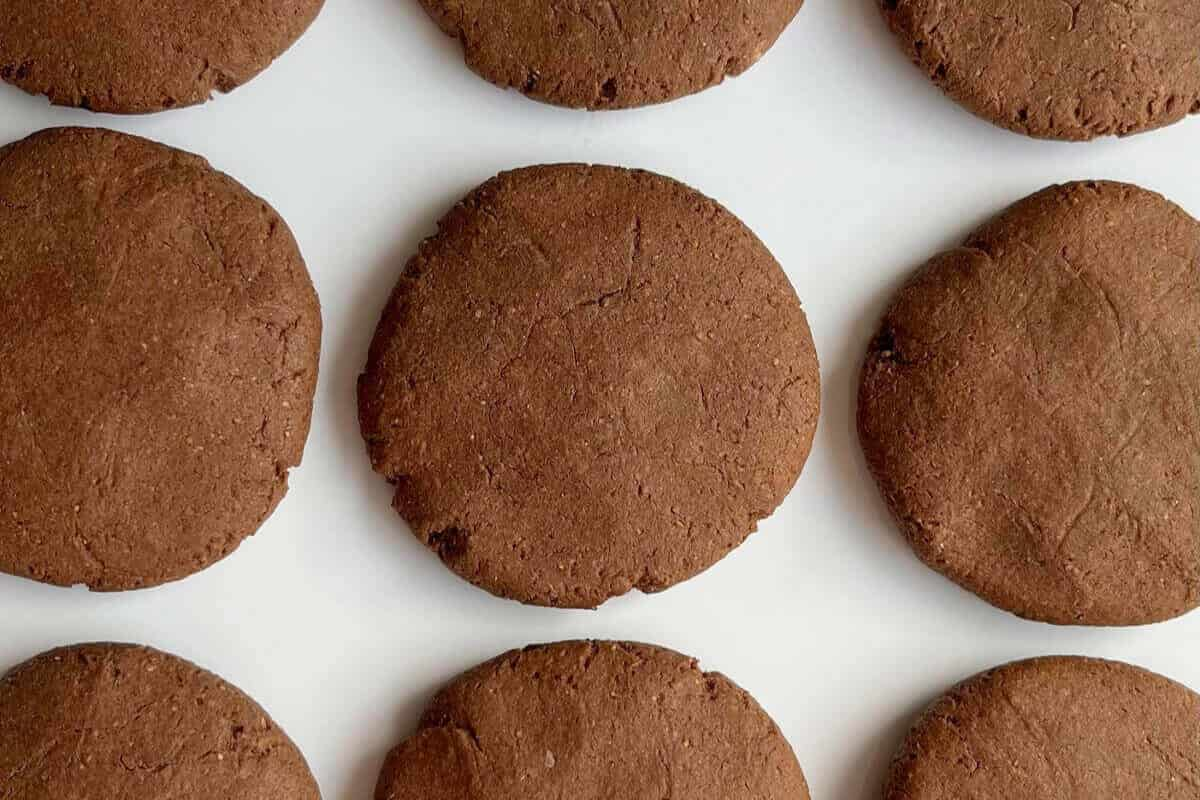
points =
(593, 719)
(120, 721)
(159, 338)
(1058, 70)
(590, 380)
(612, 54)
(131, 57)
(1030, 408)
(1051, 728)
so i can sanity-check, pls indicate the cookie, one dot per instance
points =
(1051, 728)
(159, 337)
(1030, 408)
(610, 54)
(593, 719)
(1067, 70)
(590, 380)
(120, 721)
(131, 57)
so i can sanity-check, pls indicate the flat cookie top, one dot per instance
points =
(1031, 408)
(1052, 728)
(132, 57)
(124, 722)
(590, 380)
(1059, 70)
(593, 719)
(607, 54)
(159, 338)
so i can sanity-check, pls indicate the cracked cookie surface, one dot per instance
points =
(1031, 408)
(593, 719)
(590, 380)
(126, 722)
(608, 54)
(128, 56)
(159, 338)
(1051, 728)
(1059, 69)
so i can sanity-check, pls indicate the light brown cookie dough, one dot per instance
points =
(159, 338)
(1030, 408)
(606, 54)
(590, 380)
(128, 56)
(593, 719)
(131, 723)
(1051, 728)
(1071, 69)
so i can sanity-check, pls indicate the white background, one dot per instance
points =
(846, 162)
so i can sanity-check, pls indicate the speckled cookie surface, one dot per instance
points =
(593, 719)
(1031, 405)
(159, 338)
(591, 379)
(1051, 728)
(127, 56)
(607, 54)
(123, 723)
(1072, 70)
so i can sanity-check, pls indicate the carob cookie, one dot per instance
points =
(1031, 408)
(120, 721)
(607, 54)
(129, 57)
(159, 337)
(591, 379)
(593, 719)
(1051, 728)
(1074, 69)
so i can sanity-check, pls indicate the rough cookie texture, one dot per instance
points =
(606, 54)
(129, 56)
(1059, 69)
(159, 338)
(593, 719)
(122, 722)
(1052, 728)
(1031, 408)
(591, 379)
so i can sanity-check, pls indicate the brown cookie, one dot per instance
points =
(132, 57)
(593, 719)
(1051, 728)
(607, 54)
(1031, 408)
(1074, 69)
(119, 721)
(159, 337)
(590, 380)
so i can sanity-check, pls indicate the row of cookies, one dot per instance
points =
(1067, 70)
(592, 380)
(586, 719)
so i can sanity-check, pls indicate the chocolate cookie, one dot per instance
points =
(590, 380)
(593, 719)
(1052, 728)
(159, 338)
(119, 721)
(605, 54)
(1031, 408)
(1058, 70)
(130, 57)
